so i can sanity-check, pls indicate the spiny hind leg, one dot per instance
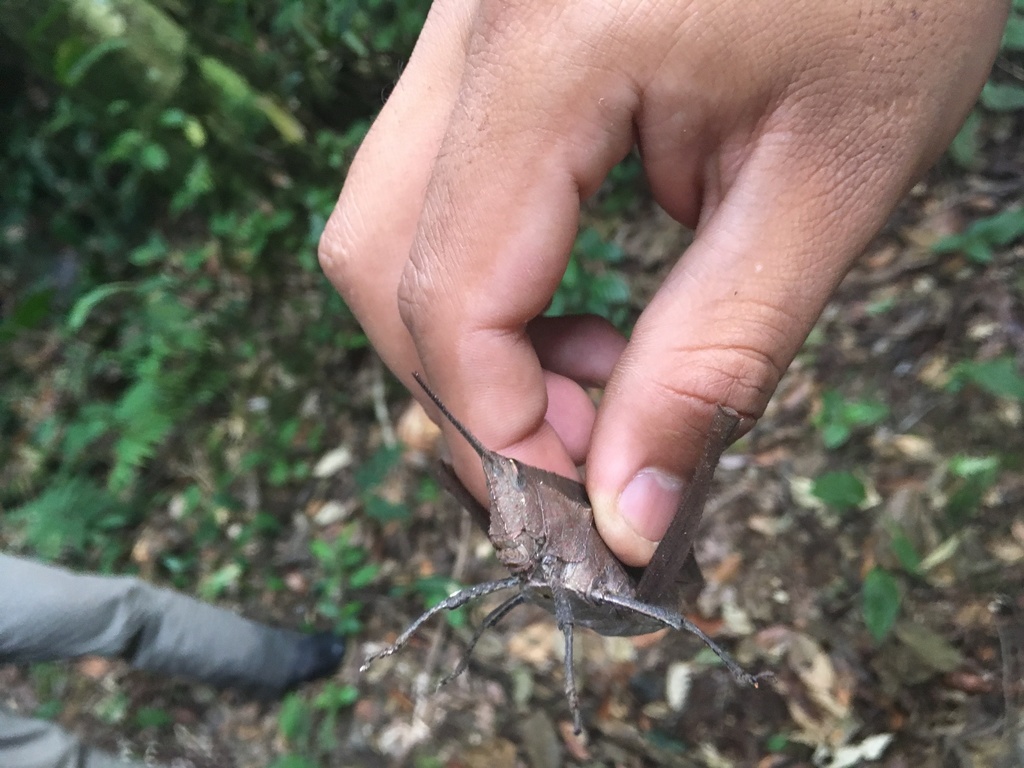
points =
(490, 620)
(676, 621)
(450, 603)
(563, 617)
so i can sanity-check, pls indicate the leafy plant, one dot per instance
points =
(838, 418)
(310, 727)
(590, 284)
(997, 96)
(621, 189)
(152, 717)
(881, 598)
(369, 477)
(999, 377)
(906, 553)
(346, 568)
(972, 477)
(72, 513)
(839, 490)
(981, 238)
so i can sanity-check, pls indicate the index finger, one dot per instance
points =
(499, 219)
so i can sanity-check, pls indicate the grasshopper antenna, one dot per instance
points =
(476, 444)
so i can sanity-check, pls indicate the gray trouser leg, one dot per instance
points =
(28, 743)
(49, 613)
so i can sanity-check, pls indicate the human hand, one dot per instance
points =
(783, 132)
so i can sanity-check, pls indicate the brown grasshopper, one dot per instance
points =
(543, 531)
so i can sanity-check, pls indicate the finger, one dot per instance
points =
(499, 218)
(365, 245)
(584, 348)
(571, 414)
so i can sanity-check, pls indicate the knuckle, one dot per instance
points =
(342, 249)
(740, 376)
(410, 297)
(419, 298)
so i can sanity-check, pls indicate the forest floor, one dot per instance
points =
(935, 525)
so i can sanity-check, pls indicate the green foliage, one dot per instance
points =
(619, 192)
(590, 283)
(966, 145)
(838, 418)
(999, 377)
(998, 95)
(220, 581)
(906, 553)
(292, 760)
(777, 742)
(152, 717)
(72, 513)
(1013, 34)
(113, 707)
(310, 727)
(369, 477)
(1002, 97)
(346, 569)
(972, 477)
(50, 682)
(839, 490)
(981, 238)
(178, 241)
(880, 602)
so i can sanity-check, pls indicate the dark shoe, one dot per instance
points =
(317, 656)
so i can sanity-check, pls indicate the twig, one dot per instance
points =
(1005, 621)
(380, 405)
(423, 702)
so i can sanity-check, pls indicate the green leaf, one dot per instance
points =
(384, 511)
(152, 717)
(906, 553)
(839, 490)
(776, 742)
(966, 146)
(294, 761)
(862, 413)
(67, 515)
(1002, 97)
(363, 576)
(980, 239)
(373, 471)
(881, 602)
(151, 252)
(975, 476)
(973, 466)
(72, 63)
(1013, 34)
(221, 580)
(835, 435)
(144, 418)
(154, 158)
(998, 377)
(838, 417)
(29, 312)
(294, 719)
(334, 697)
(84, 306)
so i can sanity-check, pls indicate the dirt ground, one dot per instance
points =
(784, 571)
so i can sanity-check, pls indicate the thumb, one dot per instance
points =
(721, 330)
